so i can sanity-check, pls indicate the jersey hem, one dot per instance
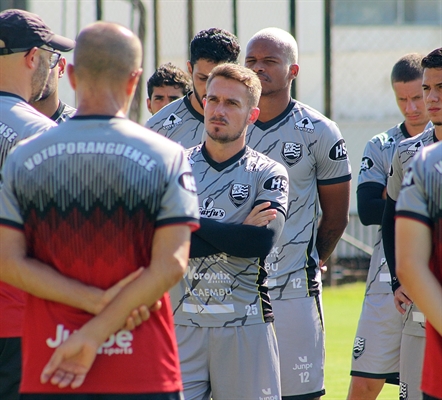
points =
(307, 396)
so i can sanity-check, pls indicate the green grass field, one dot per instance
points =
(342, 306)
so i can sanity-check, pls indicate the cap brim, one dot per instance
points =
(61, 43)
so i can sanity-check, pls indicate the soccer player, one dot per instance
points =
(222, 310)
(376, 351)
(83, 206)
(49, 104)
(313, 150)
(28, 51)
(413, 333)
(183, 121)
(168, 83)
(419, 240)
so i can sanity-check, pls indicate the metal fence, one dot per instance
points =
(347, 50)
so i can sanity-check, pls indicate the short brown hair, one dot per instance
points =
(240, 74)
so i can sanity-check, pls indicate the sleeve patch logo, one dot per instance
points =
(239, 193)
(366, 164)
(291, 153)
(279, 183)
(187, 181)
(339, 151)
(171, 121)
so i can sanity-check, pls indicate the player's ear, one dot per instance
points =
(189, 67)
(149, 106)
(71, 76)
(132, 82)
(253, 115)
(204, 102)
(294, 70)
(31, 58)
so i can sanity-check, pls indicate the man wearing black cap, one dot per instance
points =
(28, 50)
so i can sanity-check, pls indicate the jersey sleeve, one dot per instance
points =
(180, 202)
(274, 187)
(412, 201)
(373, 167)
(332, 162)
(395, 177)
(9, 207)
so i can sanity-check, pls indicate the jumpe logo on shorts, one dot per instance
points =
(268, 395)
(118, 343)
(358, 347)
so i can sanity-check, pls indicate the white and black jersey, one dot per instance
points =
(406, 150)
(375, 167)
(223, 290)
(314, 152)
(18, 120)
(63, 113)
(179, 122)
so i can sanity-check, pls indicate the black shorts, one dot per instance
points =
(84, 396)
(10, 368)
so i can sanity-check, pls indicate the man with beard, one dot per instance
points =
(222, 311)
(49, 104)
(183, 121)
(313, 150)
(28, 50)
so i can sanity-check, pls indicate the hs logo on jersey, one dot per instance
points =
(366, 164)
(358, 347)
(339, 151)
(291, 153)
(276, 183)
(187, 181)
(408, 178)
(305, 124)
(172, 121)
(239, 194)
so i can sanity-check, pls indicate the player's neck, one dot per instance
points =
(414, 130)
(195, 104)
(438, 132)
(47, 106)
(221, 152)
(273, 105)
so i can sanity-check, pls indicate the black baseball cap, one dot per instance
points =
(21, 30)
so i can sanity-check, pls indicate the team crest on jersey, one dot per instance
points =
(358, 347)
(239, 193)
(208, 210)
(403, 391)
(305, 124)
(414, 148)
(291, 153)
(339, 151)
(172, 121)
(366, 164)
